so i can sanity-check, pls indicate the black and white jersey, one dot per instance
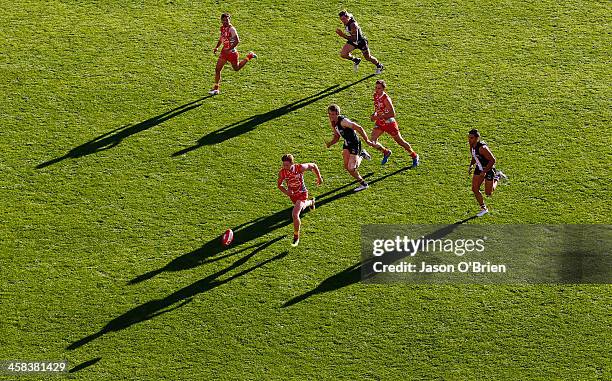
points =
(360, 36)
(348, 134)
(481, 161)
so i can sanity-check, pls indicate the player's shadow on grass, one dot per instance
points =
(85, 364)
(248, 231)
(364, 269)
(178, 299)
(113, 138)
(243, 234)
(249, 124)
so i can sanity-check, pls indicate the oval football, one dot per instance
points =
(227, 237)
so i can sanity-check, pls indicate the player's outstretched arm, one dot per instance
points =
(361, 132)
(315, 169)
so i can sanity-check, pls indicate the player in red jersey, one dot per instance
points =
(293, 174)
(229, 38)
(384, 118)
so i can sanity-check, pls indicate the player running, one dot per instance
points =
(293, 174)
(384, 118)
(351, 150)
(485, 170)
(355, 40)
(229, 38)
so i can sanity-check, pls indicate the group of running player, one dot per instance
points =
(352, 152)
(383, 117)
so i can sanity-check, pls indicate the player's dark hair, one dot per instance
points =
(382, 82)
(226, 15)
(334, 108)
(474, 132)
(345, 13)
(288, 157)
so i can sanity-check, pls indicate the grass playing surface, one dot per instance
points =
(119, 174)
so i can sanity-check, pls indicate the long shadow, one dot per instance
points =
(250, 230)
(113, 138)
(243, 233)
(363, 269)
(249, 124)
(85, 364)
(157, 307)
(329, 199)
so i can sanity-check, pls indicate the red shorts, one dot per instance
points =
(231, 56)
(389, 127)
(300, 196)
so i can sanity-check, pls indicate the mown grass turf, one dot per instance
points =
(119, 174)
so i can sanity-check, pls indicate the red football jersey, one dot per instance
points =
(228, 34)
(294, 177)
(379, 103)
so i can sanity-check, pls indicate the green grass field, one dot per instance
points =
(119, 174)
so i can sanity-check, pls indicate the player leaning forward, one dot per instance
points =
(485, 171)
(229, 39)
(384, 119)
(352, 153)
(293, 174)
(355, 40)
